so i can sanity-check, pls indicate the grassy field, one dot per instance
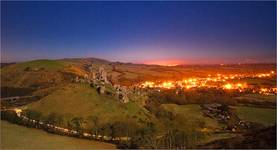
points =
(80, 100)
(258, 97)
(191, 116)
(19, 137)
(265, 116)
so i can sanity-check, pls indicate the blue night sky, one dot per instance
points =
(140, 32)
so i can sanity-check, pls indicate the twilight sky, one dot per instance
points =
(140, 32)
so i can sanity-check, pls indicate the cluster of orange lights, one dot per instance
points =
(166, 85)
(218, 81)
(267, 91)
(239, 86)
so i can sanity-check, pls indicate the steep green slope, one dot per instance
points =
(80, 100)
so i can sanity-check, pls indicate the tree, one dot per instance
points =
(77, 123)
(55, 119)
(144, 137)
(109, 130)
(95, 124)
(10, 116)
(32, 114)
(120, 129)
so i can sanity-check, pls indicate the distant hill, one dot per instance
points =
(42, 75)
(5, 64)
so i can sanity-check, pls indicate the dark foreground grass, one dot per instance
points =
(19, 137)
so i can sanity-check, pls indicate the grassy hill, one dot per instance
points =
(80, 100)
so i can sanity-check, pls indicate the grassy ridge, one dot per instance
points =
(45, 64)
(32, 73)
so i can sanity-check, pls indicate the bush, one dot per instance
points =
(10, 116)
(32, 114)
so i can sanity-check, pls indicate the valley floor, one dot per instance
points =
(19, 137)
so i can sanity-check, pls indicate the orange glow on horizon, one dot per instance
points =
(164, 62)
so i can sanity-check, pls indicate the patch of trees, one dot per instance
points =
(181, 133)
(178, 139)
(194, 96)
(76, 123)
(141, 137)
(124, 133)
(12, 91)
(33, 69)
(168, 96)
(33, 114)
(10, 116)
(264, 138)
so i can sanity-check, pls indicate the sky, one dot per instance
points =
(179, 32)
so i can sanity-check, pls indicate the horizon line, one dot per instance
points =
(139, 63)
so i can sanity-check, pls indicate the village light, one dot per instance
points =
(167, 85)
(228, 86)
(239, 85)
(206, 82)
(188, 87)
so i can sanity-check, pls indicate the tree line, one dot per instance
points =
(125, 134)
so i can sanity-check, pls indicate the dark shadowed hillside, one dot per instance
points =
(262, 139)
